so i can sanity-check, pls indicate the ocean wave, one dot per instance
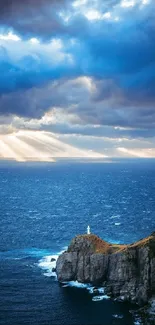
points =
(99, 298)
(48, 264)
(137, 322)
(21, 254)
(117, 316)
(91, 289)
(76, 284)
(100, 290)
(115, 216)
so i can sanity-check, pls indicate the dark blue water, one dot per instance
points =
(42, 206)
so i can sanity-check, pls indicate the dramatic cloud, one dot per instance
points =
(79, 67)
(29, 17)
(83, 101)
(46, 18)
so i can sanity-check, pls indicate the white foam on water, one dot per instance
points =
(46, 264)
(91, 290)
(117, 316)
(117, 223)
(99, 298)
(100, 290)
(86, 286)
(115, 217)
(137, 319)
(76, 284)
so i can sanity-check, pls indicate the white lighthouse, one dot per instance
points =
(88, 230)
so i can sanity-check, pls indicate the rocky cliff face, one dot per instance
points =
(126, 271)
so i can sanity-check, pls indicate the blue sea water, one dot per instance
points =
(42, 207)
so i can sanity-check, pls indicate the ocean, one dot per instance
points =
(42, 207)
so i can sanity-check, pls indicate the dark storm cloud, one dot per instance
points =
(31, 17)
(118, 56)
(83, 113)
(42, 18)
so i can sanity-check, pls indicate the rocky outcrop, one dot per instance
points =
(126, 271)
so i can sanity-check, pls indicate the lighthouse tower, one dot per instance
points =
(88, 230)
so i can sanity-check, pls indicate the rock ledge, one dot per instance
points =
(126, 271)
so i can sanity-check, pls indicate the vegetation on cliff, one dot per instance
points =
(99, 245)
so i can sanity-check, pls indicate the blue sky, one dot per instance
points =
(80, 72)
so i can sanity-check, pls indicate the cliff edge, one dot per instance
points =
(126, 271)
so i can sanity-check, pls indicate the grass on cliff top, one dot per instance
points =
(146, 242)
(101, 246)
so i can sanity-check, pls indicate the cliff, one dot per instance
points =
(126, 271)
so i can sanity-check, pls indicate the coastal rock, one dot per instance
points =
(126, 271)
(53, 259)
(66, 266)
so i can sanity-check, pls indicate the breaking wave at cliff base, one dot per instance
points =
(48, 264)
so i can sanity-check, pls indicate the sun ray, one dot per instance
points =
(8, 153)
(39, 146)
(139, 153)
(27, 151)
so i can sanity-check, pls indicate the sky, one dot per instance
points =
(77, 78)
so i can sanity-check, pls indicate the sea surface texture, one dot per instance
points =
(42, 207)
